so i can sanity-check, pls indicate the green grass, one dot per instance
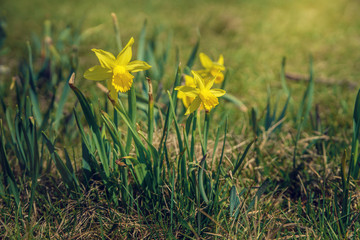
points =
(76, 165)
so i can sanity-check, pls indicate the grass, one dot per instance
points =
(253, 36)
(77, 165)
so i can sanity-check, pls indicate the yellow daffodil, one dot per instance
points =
(201, 93)
(116, 71)
(212, 69)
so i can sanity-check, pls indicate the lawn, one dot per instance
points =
(276, 159)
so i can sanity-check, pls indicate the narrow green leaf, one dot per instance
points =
(81, 129)
(89, 163)
(89, 115)
(150, 112)
(91, 120)
(215, 189)
(268, 117)
(8, 174)
(172, 186)
(69, 179)
(142, 42)
(60, 108)
(33, 93)
(306, 102)
(154, 71)
(138, 143)
(354, 163)
(258, 194)
(234, 202)
(206, 130)
(20, 151)
(178, 134)
(117, 32)
(283, 112)
(198, 125)
(237, 102)
(132, 115)
(169, 111)
(241, 158)
(282, 77)
(201, 180)
(215, 145)
(304, 109)
(114, 132)
(140, 173)
(68, 162)
(35, 161)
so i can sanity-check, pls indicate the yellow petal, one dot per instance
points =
(106, 59)
(122, 79)
(221, 60)
(205, 60)
(193, 106)
(137, 65)
(112, 90)
(217, 67)
(189, 81)
(181, 95)
(188, 91)
(198, 80)
(187, 101)
(98, 73)
(217, 92)
(210, 82)
(125, 55)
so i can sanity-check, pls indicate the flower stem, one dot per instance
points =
(132, 115)
(150, 112)
(206, 130)
(199, 131)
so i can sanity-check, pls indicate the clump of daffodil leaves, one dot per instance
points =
(116, 71)
(198, 93)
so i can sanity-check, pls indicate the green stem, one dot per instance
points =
(192, 146)
(199, 213)
(206, 130)
(199, 130)
(150, 112)
(132, 116)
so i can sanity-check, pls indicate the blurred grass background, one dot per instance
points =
(252, 35)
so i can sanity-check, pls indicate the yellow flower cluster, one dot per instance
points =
(197, 91)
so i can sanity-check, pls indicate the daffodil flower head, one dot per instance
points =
(212, 69)
(201, 93)
(116, 71)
